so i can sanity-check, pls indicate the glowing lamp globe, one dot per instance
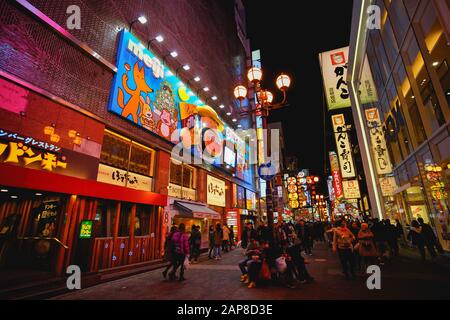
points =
(283, 82)
(254, 74)
(316, 179)
(240, 92)
(269, 96)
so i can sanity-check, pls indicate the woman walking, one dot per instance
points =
(366, 246)
(417, 238)
(342, 243)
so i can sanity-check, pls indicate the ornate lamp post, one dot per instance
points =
(264, 105)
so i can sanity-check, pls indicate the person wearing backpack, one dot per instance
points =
(342, 243)
(181, 251)
(169, 251)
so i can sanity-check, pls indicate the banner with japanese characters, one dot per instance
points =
(123, 178)
(351, 189)
(388, 186)
(336, 175)
(334, 72)
(215, 191)
(344, 150)
(378, 143)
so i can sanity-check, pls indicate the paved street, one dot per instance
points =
(406, 278)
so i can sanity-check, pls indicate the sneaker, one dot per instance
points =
(243, 277)
(251, 285)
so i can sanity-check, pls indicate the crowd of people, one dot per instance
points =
(278, 257)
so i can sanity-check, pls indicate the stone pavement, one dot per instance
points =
(405, 278)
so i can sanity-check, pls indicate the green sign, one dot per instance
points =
(86, 229)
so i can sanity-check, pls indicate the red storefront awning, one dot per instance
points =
(197, 210)
(18, 177)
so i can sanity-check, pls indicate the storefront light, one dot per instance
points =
(159, 38)
(435, 63)
(142, 19)
(221, 106)
(197, 79)
(54, 138)
(214, 98)
(3, 190)
(72, 133)
(174, 54)
(186, 67)
(49, 130)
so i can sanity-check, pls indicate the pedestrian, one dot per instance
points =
(355, 230)
(169, 254)
(379, 234)
(366, 247)
(416, 237)
(225, 238)
(248, 233)
(342, 243)
(430, 238)
(232, 242)
(300, 271)
(218, 238)
(391, 238)
(211, 241)
(195, 241)
(305, 236)
(181, 251)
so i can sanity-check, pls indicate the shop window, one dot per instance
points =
(427, 21)
(415, 63)
(380, 53)
(387, 34)
(182, 180)
(141, 159)
(142, 220)
(375, 67)
(134, 160)
(115, 151)
(399, 19)
(404, 88)
(105, 218)
(125, 219)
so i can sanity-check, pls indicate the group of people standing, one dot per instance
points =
(376, 242)
(221, 239)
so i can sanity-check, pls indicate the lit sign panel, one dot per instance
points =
(343, 146)
(378, 142)
(86, 229)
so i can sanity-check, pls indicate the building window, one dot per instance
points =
(134, 159)
(105, 218)
(182, 180)
(142, 220)
(125, 219)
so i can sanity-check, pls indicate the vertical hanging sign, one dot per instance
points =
(344, 149)
(378, 143)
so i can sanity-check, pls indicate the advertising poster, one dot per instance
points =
(215, 191)
(351, 189)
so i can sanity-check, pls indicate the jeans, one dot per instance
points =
(179, 262)
(347, 261)
(217, 251)
(243, 265)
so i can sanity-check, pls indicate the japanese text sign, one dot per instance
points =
(344, 150)
(215, 191)
(378, 143)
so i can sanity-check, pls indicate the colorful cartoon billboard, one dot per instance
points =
(147, 93)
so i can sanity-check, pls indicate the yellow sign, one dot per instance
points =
(351, 189)
(19, 151)
(215, 191)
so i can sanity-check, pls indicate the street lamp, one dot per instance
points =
(264, 105)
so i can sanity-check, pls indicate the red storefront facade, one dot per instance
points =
(79, 184)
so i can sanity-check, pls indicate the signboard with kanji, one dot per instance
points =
(344, 150)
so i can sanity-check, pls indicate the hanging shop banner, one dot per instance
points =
(331, 193)
(336, 175)
(215, 191)
(378, 143)
(123, 178)
(343, 146)
(181, 192)
(388, 186)
(351, 189)
(334, 72)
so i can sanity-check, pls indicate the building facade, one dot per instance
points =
(404, 136)
(90, 117)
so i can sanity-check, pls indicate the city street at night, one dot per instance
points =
(224, 151)
(406, 278)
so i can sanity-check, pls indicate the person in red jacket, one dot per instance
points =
(181, 250)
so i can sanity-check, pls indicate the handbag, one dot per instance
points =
(264, 273)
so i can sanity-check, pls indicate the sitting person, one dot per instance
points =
(261, 259)
(285, 268)
(251, 250)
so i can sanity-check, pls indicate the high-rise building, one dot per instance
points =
(404, 136)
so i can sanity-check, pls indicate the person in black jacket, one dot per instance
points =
(247, 234)
(416, 236)
(305, 236)
(429, 236)
(391, 238)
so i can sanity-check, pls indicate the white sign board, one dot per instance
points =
(215, 191)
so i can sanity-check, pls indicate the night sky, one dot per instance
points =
(290, 35)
